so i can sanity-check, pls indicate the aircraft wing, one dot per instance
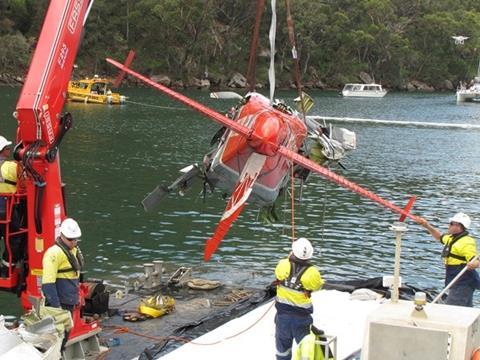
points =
(237, 201)
(340, 180)
(245, 184)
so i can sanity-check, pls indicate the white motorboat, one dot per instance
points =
(470, 94)
(364, 90)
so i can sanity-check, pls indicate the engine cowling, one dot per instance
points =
(269, 132)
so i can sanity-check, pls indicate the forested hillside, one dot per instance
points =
(394, 41)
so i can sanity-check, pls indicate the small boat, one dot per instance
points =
(470, 94)
(95, 91)
(363, 90)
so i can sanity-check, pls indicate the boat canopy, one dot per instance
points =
(363, 87)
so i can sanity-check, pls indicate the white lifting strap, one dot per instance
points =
(272, 33)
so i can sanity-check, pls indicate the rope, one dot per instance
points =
(240, 332)
(324, 198)
(292, 180)
(156, 106)
(126, 329)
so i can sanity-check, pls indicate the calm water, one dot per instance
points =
(114, 156)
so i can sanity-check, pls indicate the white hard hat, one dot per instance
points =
(70, 229)
(302, 249)
(462, 218)
(4, 142)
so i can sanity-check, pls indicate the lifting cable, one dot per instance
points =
(157, 106)
(252, 61)
(291, 37)
(292, 180)
(298, 85)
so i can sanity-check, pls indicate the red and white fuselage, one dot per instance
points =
(276, 128)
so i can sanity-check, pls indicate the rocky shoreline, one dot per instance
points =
(238, 81)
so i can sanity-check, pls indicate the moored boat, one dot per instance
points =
(94, 90)
(471, 94)
(363, 90)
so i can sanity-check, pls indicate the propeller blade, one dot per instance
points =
(212, 114)
(121, 74)
(152, 199)
(183, 183)
(225, 95)
(340, 180)
(237, 201)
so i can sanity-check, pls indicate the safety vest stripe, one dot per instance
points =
(299, 292)
(291, 303)
(285, 353)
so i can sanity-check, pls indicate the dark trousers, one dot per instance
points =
(17, 242)
(287, 328)
(67, 333)
(460, 295)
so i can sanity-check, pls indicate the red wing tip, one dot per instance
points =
(407, 209)
(206, 257)
(209, 250)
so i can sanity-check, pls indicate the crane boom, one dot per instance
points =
(41, 127)
(44, 92)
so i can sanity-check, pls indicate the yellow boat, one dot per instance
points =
(94, 91)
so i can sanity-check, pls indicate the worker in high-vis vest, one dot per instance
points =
(296, 279)
(8, 185)
(459, 251)
(313, 347)
(62, 264)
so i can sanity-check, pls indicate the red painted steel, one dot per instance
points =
(39, 130)
(44, 92)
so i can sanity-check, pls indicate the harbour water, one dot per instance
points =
(114, 155)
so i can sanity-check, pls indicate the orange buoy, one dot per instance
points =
(476, 354)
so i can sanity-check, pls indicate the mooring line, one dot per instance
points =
(156, 106)
(398, 123)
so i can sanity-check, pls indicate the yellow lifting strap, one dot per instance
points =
(156, 306)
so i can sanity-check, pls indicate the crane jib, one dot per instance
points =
(44, 93)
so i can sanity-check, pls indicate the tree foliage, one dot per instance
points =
(392, 40)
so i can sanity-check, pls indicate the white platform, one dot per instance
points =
(334, 313)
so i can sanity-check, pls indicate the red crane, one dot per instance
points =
(41, 127)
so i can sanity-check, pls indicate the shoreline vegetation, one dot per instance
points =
(405, 45)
